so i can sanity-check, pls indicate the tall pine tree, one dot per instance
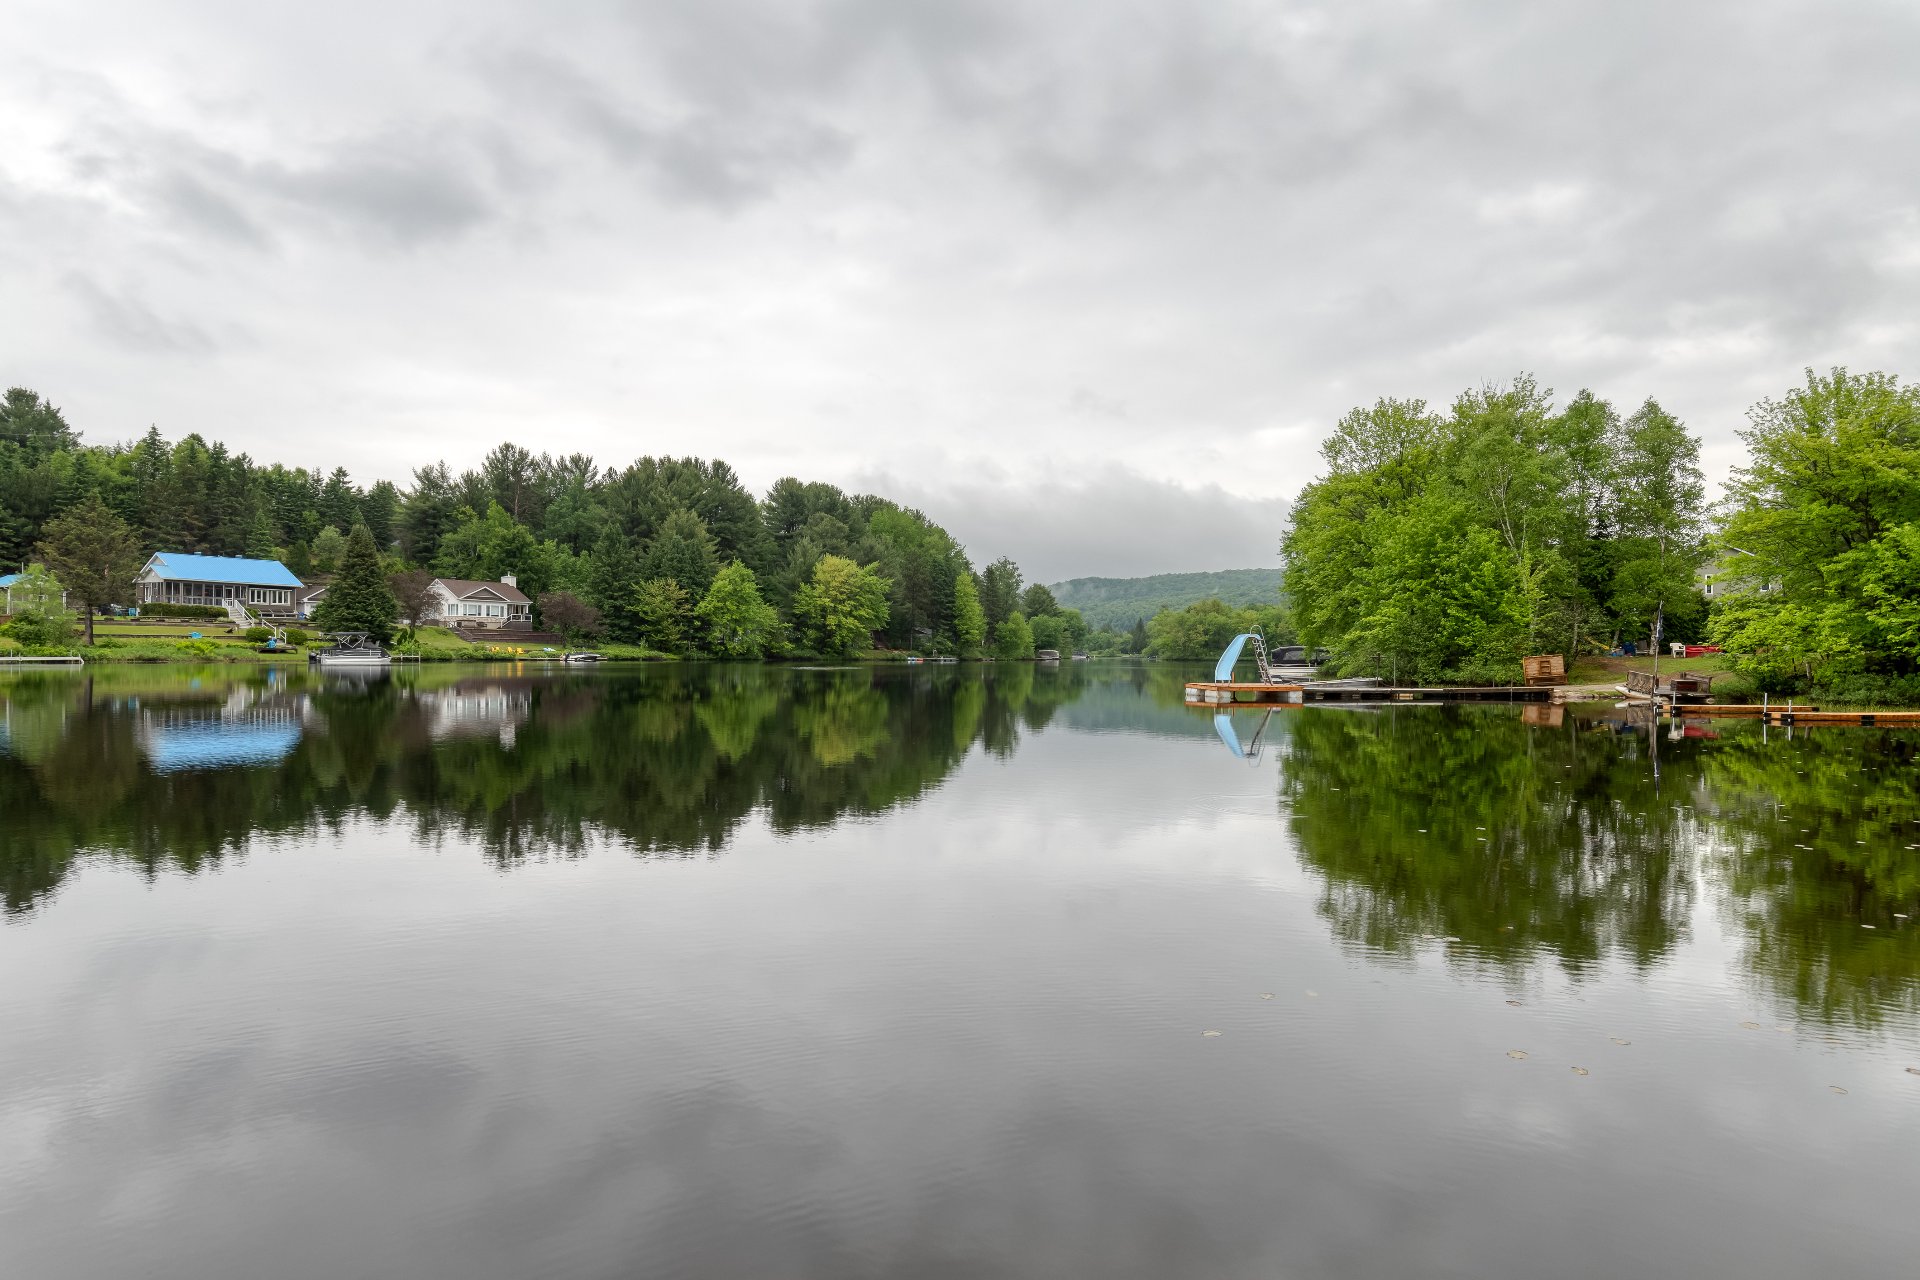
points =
(616, 572)
(359, 599)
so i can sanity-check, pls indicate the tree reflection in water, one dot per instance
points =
(1527, 839)
(1585, 839)
(523, 762)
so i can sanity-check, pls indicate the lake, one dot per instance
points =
(719, 971)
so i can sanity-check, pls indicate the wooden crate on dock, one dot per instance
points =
(1548, 668)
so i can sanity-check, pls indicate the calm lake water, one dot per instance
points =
(936, 972)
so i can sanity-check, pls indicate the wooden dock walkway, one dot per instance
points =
(1214, 693)
(1773, 714)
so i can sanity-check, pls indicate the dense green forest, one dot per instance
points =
(1446, 545)
(1117, 603)
(674, 553)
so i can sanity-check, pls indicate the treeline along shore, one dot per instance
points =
(1440, 546)
(1443, 546)
(665, 556)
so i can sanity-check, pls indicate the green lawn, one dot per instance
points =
(1592, 670)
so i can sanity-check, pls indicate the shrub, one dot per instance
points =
(1867, 690)
(41, 630)
(198, 648)
(296, 636)
(182, 611)
(258, 635)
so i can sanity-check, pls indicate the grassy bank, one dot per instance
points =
(155, 642)
(1728, 685)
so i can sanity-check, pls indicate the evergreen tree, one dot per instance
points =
(339, 501)
(684, 551)
(33, 425)
(429, 513)
(1000, 590)
(260, 543)
(359, 599)
(616, 572)
(381, 507)
(1038, 602)
(94, 554)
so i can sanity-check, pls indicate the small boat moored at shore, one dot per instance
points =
(351, 649)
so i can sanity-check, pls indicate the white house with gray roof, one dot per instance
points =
(463, 602)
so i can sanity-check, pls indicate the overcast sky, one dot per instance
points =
(1086, 281)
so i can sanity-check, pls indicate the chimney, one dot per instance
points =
(508, 579)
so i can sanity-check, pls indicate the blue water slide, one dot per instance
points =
(1223, 670)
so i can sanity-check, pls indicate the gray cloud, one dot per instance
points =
(945, 239)
(127, 322)
(1101, 521)
(712, 158)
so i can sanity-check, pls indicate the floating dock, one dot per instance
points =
(1280, 684)
(1217, 692)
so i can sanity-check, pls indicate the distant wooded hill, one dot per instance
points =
(1119, 602)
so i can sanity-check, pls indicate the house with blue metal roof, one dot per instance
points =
(266, 587)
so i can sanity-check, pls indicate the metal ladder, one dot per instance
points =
(1259, 645)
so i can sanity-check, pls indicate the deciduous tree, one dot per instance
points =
(571, 616)
(738, 623)
(841, 607)
(969, 620)
(662, 611)
(414, 596)
(1013, 638)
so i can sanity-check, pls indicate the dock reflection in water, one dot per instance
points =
(709, 970)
